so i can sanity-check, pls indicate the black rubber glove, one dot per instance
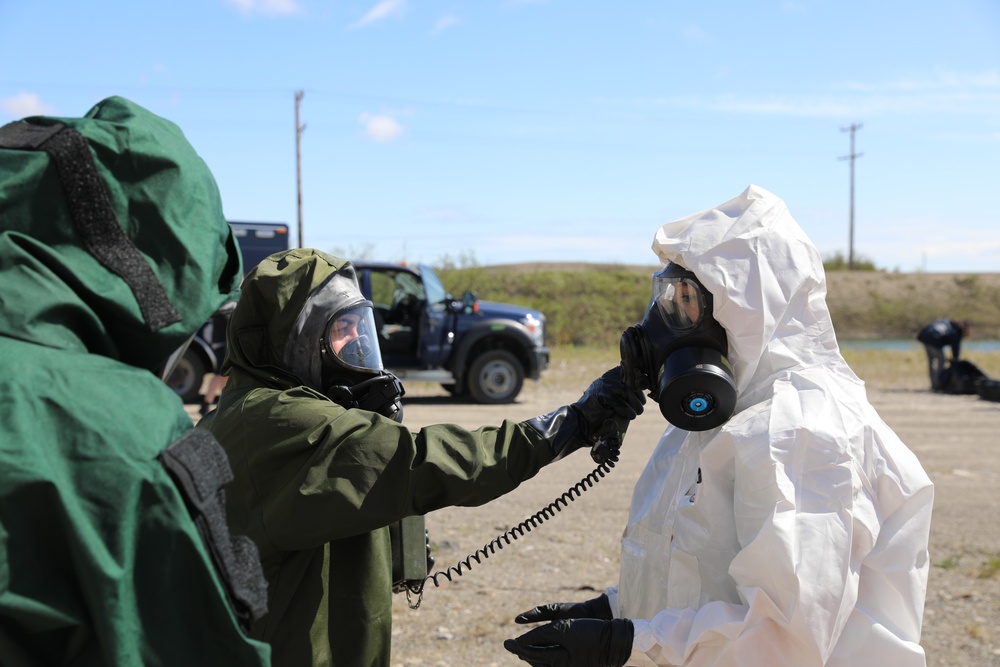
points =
(598, 420)
(599, 607)
(607, 407)
(572, 640)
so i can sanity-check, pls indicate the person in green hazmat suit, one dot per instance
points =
(322, 468)
(114, 548)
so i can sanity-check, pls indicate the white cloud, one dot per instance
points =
(381, 128)
(26, 104)
(266, 7)
(941, 92)
(939, 79)
(383, 10)
(445, 22)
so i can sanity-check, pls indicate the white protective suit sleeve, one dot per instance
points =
(795, 534)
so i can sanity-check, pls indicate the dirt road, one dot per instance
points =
(575, 555)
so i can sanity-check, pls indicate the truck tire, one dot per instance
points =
(187, 377)
(495, 376)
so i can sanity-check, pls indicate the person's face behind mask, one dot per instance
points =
(344, 330)
(351, 339)
(681, 303)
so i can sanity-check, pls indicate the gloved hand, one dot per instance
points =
(574, 639)
(598, 420)
(599, 607)
(605, 410)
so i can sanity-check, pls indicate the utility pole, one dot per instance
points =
(299, 128)
(853, 156)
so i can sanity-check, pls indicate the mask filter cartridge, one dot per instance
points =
(696, 390)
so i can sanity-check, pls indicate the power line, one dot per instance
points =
(852, 157)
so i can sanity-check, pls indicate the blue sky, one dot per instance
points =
(521, 131)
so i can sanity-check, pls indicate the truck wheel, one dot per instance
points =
(187, 377)
(495, 376)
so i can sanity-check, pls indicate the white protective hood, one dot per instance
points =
(795, 534)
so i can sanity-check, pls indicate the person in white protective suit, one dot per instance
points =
(794, 533)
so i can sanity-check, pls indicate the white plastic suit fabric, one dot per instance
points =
(796, 533)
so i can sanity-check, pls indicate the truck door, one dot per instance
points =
(435, 321)
(397, 297)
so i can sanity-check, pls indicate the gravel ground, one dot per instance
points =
(575, 554)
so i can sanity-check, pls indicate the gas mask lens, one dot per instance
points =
(351, 338)
(680, 301)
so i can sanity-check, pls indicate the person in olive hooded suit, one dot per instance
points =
(322, 468)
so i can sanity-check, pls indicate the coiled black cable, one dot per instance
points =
(508, 537)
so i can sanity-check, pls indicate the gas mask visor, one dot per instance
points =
(350, 338)
(681, 301)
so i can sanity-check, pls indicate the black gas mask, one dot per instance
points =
(678, 354)
(352, 372)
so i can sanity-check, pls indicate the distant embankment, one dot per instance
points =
(591, 304)
(871, 304)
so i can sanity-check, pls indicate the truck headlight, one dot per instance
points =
(536, 326)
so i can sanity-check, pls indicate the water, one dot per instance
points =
(903, 345)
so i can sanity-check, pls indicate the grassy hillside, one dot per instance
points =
(591, 304)
(896, 305)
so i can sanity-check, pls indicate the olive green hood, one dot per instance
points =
(275, 330)
(112, 237)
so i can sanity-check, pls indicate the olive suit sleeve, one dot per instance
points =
(308, 471)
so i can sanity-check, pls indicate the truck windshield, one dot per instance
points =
(435, 291)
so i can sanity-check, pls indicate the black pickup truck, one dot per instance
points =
(480, 349)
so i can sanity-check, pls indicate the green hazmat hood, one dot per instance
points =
(112, 237)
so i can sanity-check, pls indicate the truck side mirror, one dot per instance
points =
(470, 303)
